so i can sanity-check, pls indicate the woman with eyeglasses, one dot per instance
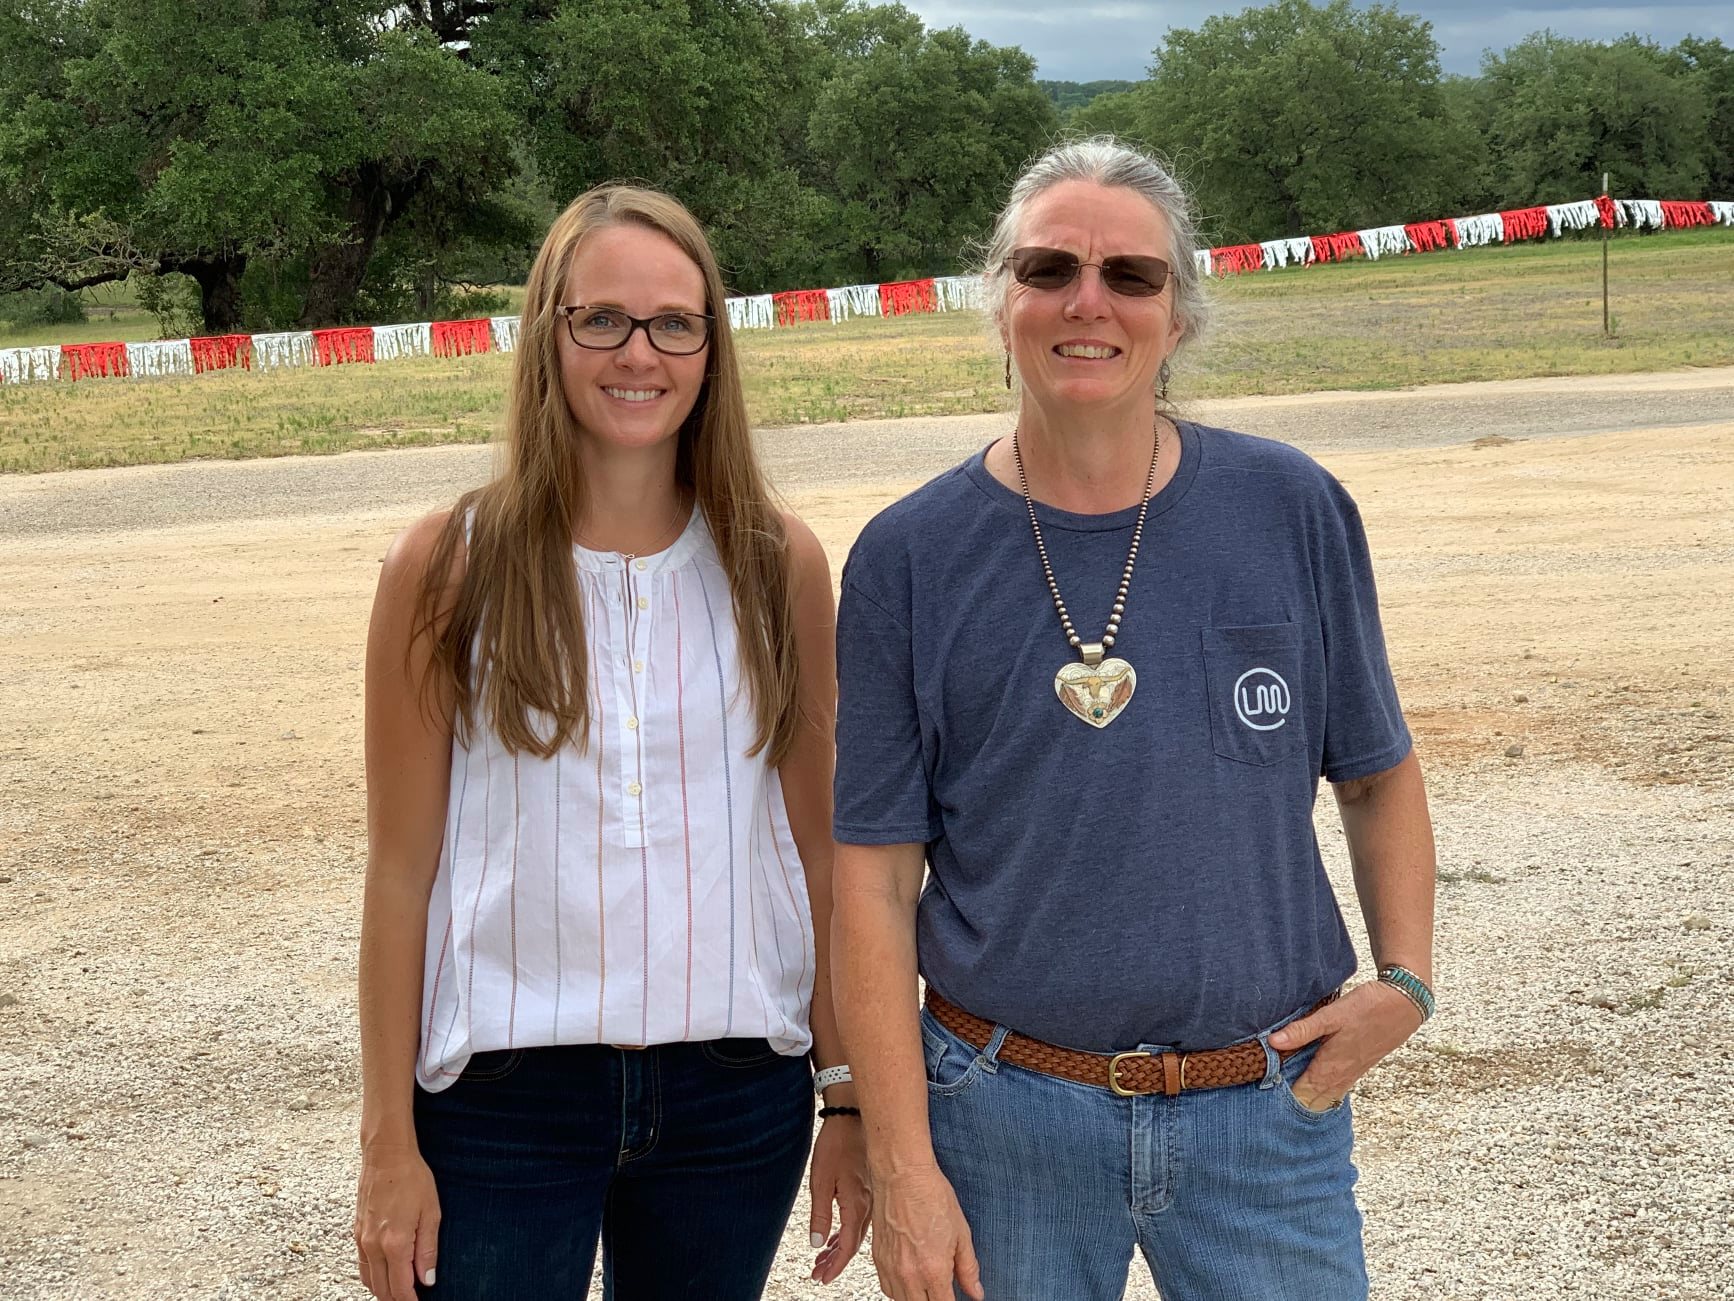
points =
(1089, 681)
(600, 691)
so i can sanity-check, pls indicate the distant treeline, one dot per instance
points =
(1075, 94)
(308, 162)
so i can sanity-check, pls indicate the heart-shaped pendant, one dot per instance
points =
(1096, 693)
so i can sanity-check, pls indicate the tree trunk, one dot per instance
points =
(219, 281)
(427, 289)
(335, 272)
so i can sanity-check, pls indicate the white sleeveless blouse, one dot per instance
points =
(644, 888)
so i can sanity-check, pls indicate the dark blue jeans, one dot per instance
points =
(682, 1159)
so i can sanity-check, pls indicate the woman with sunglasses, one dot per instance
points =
(1090, 678)
(594, 960)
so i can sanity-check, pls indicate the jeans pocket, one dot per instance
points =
(485, 1068)
(1252, 675)
(1293, 1067)
(739, 1054)
(952, 1065)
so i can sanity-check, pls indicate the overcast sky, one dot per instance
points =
(1088, 40)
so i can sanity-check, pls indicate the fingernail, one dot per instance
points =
(818, 1241)
(428, 1278)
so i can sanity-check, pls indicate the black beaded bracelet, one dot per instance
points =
(826, 1112)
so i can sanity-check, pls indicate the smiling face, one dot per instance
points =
(632, 396)
(1084, 345)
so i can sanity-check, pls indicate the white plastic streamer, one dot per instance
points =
(1640, 214)
(1723, 211)
(753, 313)
(24, 365)
(504, 330)
(1488, 228)
(853, 300)
(1282, 252)
(166, 357)
(1581, 215)
(1201, 259)
(1381, 240)
(958, 293)
(393, 341)
(290, 348)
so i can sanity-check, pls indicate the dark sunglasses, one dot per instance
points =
(1130, 274)
(679, 334)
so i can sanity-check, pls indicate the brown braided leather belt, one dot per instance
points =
(1127, 1074)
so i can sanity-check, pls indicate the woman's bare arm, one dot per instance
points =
(408, 748)
(839, 1175)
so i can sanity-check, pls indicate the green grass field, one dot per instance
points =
(1496, 313)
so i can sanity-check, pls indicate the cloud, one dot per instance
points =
(1115, 38)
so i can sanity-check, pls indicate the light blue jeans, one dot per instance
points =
(1233, 1194)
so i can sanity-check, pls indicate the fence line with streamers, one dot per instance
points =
(366, 344)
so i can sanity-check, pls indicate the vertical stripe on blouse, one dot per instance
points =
(722, 692)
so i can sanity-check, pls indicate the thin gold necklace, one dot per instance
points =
(1098, 690)
(669, 533)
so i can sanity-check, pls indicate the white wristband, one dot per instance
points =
(824, 1079)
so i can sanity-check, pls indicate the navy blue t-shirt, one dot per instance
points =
(1156, 881)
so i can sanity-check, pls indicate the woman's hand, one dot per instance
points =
(921, 1241)
(1355, 1034)
(839, 1177)
(397, 1222)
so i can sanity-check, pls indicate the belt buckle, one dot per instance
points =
(1114, 1076)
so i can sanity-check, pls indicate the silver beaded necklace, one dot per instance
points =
(1099, 689)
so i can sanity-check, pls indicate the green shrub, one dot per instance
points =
(174, 300)
(50, 306)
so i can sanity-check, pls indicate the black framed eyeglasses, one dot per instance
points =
(679, 334)
(1132, 275)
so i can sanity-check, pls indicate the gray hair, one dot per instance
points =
(1105, 160)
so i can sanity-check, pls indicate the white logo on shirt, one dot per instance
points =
(1261, 694)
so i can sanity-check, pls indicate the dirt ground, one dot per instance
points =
(181, 844)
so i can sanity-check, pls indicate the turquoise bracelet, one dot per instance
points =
(1411, 986)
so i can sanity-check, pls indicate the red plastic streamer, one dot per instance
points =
(1524, 223)
(1237, 259)
(1605, 206)
(461, 338)
(901, 297)
(84, 360)
(1679, 215)
(1337, 248)
(801, 305)
(222, 352)
(1427, 236)
(344, 343)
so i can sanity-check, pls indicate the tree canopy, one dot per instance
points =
(322, 161)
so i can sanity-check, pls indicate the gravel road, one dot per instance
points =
(860, 452)
(181, 842)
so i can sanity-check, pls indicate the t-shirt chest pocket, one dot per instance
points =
(1252, 675)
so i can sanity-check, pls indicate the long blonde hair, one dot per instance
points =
(517, 611)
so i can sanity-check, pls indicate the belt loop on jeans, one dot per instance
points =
(1272, 1062)
(990, 1051)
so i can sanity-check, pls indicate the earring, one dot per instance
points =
(1163, 375)
(1008, 368)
